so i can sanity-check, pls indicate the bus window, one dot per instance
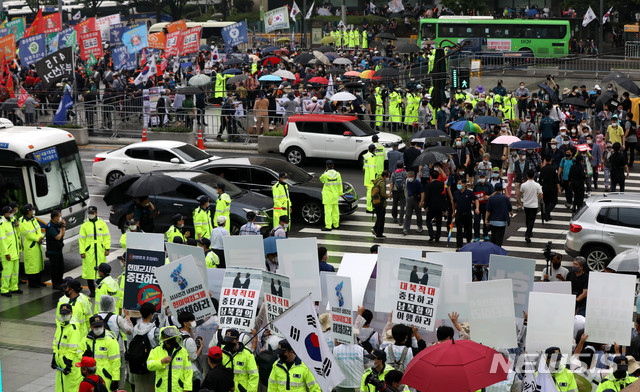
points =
(12, 186)
(428, 31)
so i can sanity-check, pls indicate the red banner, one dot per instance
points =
(156, 40)
(190, 40)
(90, 43)
(173, 44)
(36, 26)
(86, 26)
(51, 23)
(8, 47)
(178, 25)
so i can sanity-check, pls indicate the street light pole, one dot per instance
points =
(601, 33)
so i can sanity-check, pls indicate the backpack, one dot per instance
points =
(399, 180)
(106, 326)
(138, 353)
(97, 386)
(399, 363)
(366, 344)
(376, 198)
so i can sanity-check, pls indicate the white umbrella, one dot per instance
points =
(505, 139)
(342, 61)
(321, 57)
(627, 261)
(343, 96)
(284, 74)
(199, 80)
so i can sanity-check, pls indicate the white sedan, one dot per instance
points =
(145, 157)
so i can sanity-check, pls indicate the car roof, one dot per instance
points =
(246, 161)
(619, 197)
(184, 174)
(322, 118)
(158, 143)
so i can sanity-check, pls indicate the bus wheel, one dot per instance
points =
(113, 176)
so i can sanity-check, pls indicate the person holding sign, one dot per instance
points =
(241, 361)
(331, 192)
(289, 373)
(170, 362)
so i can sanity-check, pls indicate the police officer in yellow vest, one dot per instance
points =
(365, 39)
(170, 362)
(411, 110)
(289, 373)
(100, 346)
(395, 110)
(95, 241)
(356, 38)
(379, 110)
(338, 38)
(132, 227)
(66, 351)
(331, 192)
(563, 377)
(79, 302)
(619, 378)
(379, 369)
(369, 168)
(241, 361)
(176, 230)
(380, 155)
(202, 218)
(10, 253)
(106, 285)
(281, 199)
(32, 244)
(509, 104)
(212, 259)
(223, 206)
(221, 85)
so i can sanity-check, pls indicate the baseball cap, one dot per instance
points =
(96, 320)
(27, 207)
(86, 362)
(202, 199)
(215, 352)
(621, 360)
(132, 222)
(329, 162)
(282, 175)
(221, 185)
(65, 309)
(551, 351)
(231, 335)
(6, 209)
(498, 187)
(92, 209)
(377, 354)
(283, 346)
(74, 284)
(104, 268)
(177, 217)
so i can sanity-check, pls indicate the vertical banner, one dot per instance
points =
(115, 35)
(190, 39)
(610, 303)
(239, 298)
(340, 300)
(123, 59)
(52, 43)
(419, 285)
(86, 26)
(16, 27)
(388, 263)
(178, 25)
(8, 47)
(65, 38)
(104, 25)
(457, 273)
(492, 317)
(235, 34)
(184, 288)
(156, 40)
(521, 271)
(244, 251)
(298, 259)
(145, 253)
(277, 295)
(33, 49)
(358, 267)
(135, 39)
(90, 43)
(277, 19)
(55, 67)
(172, 44)
(52, 23)
(550, 323)
(178, 251)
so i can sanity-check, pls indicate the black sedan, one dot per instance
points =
(183, 201)
(258, 174)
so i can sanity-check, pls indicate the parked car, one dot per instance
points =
(605, 226)
(258, 174)
(144, 157)
(330, 136)
(194, 183)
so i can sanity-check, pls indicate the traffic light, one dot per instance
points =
(464, 78)
(455, 78)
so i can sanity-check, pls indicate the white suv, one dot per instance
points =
(605, 226)
(330, 136)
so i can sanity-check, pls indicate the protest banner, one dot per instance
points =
(104, 25)
(244, 251)
(52, 23)
(90, 43)
(123, 59)
(492, 319)
(173, 44)
(239, 298)
(298, 259)
(8, 47)
(156, 40)
(276, 295)
(178, 25)
(550, 322)
(16, 27)
(552, 287)
(609, 311)
(235, 34)
(418, 285)
(33, 49)
(115, 35)
(277, 19)
(52, 43)
(67, 38)
(55, 67)
(178, 251)
(341, 302)
(388, 263)
(456, 275)
(86, 26)
(521, 271)
(358, 267)
(145, 253)
(183, 287)
(190, 40)
(135, 38)
(4, 32)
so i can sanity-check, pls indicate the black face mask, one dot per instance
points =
(556, 266)
(620, 373)
(282, 357)
(229, 347)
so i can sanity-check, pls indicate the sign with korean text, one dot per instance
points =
(32, 49)
(123, 59)
(492, 319)
(609, 312)
(235, 34)
(277, 19)
(388, 264)
(550, 322)
(277, 295)
(178, 25)
(358, 267)
(52, 42)
(115, 35)
(135, 39)
(341, 303)
(239, 298)
(502, 45)
(68, 38)
(86, 26)
(45, 156)
(16, 27)
(104, 25)
(184, 288)
(419, 285)
(8, 47)
(172, 44)
(145, 253)
(90, 43)
(55, 67)
(521, 271)
(156, 40)
(190, 40)
(51, 23)
(178, 251)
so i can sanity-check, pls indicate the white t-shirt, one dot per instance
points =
(350, 358)
(397, 353)
(530, 191)
(552, 276)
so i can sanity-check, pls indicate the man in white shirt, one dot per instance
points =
(217, 234)
(350, 358)
(558, 272)
(531, 193)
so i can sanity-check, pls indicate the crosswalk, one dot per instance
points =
(354, 234)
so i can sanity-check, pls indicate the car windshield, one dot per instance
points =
(296, 175)
(190, 153)
(360, 128)
(210, 182)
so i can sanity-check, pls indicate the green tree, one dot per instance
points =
(176, 7)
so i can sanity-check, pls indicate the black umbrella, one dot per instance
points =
(354, 85)
(117, 192)
(325, 49)
(428, 158)
(189, 90)
(430, 134)
(10, 104)
(386, 36)
(233, 61)
(575, 102)
(336, 71)
(303, 58)
(152, 184)
(205, 47)
(387, 72)
(552, 94)
(407, 48)
(603, 99)
(269, 49)
(623, 82)
(442, 149)
(237, 78)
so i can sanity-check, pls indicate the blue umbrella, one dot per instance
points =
(330, 57)
(262, 39)
(525, 144)
(489, 120)
(232, 71)
(270, 78)
(482, 251)
(269, 49)
(270, 245)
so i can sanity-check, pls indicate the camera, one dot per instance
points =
(380, 385)
(549, 77)
(547, 252)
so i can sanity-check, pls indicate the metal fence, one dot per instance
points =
(632, 50)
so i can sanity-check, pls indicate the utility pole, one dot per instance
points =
(343, 13)
(601, 33)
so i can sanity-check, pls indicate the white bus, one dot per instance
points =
(211, 30)
(42, 166)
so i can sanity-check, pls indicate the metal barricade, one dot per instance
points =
(632, 49)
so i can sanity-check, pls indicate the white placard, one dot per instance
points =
(215, 275)
(298, 259)
(388, 262)
(521, 271)
(552, 287)
(178, 251)
(340, 300)
(239, 298)
(146, 241)
(324, 302)
(244, 251)
(609, 315)
(419, 285)
(492, 317)
(550, 322)
(184, 289)
(456, 275)
(358, 267)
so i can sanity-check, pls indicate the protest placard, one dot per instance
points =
(190, 39)
(341, 303)
(244, 251)
(86, 26)
(215, 276)
(521, 271)
(419, 285)
(298, 259)
(276, 295)
(358, 267)
(387, 267)
(16, 27)
(552, 287)
(52, 23)
(90, 43)
(276, 19)
(456, 275)
(550, 322)
(492, 319)
(145, 253)
(178, 251)
(239, 298)
(135, 38)
(609, 314)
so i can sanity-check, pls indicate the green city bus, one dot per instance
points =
(541, 37)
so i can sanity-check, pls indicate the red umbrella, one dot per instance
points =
(272, 59)
(281, 51)
(461, 366)
(319, 80)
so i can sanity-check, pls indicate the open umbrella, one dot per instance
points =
(466, 126)
(273, 60)
(626, 261)
(461, 366)
(233, 61)
(152, 184)
(270, 245)
(342, 61)
(10, 104)
(386, 36)
(387, 72)
(428, 158)
(525, 144)
(429, 135)
(327, 40)
(488, 120)
(283, 39)
(281, 51)
(352, 73)
(254, 58)
(368, 74)
(331, 57)
(343, 96)
(319, 80)
(284, 74)
(335, 71)
(407, 48)
(204, 47)
(117, 192)
(324, 49)
(603, 99)
(442, 149)
(189, 90)
(623, 82)
(321, 57)
(199, 80)
(262, 39)
(481, 251)
(303, 58)
(236, 79)
(231, 71)
(552, 94)
(505, 139)
(575, 102)
(270, 78)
